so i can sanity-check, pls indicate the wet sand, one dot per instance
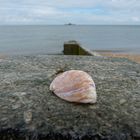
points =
(2, 56)
(133, 57)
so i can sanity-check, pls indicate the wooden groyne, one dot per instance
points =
(74, 48)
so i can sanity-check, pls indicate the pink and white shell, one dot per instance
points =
(74, 86)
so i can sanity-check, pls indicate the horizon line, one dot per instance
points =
(69, 25)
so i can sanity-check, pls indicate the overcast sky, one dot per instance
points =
(65, 11)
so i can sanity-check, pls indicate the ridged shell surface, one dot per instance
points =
(74, 86)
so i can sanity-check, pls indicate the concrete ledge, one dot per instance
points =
(29, 111)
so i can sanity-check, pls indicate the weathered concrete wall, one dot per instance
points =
(74, 48)
(28, 110)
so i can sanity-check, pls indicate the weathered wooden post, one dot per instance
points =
(74, 48)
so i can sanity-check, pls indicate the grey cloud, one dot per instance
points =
(62, 11)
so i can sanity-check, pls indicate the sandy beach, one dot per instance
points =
(2, 56)
(133, 57)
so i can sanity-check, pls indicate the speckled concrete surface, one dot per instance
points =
(28, 110)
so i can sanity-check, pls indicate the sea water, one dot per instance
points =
(49, 39)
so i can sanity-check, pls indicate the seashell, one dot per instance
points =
(74, 86)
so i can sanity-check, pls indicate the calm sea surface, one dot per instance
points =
(15, 40)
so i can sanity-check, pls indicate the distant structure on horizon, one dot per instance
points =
(69, 24)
